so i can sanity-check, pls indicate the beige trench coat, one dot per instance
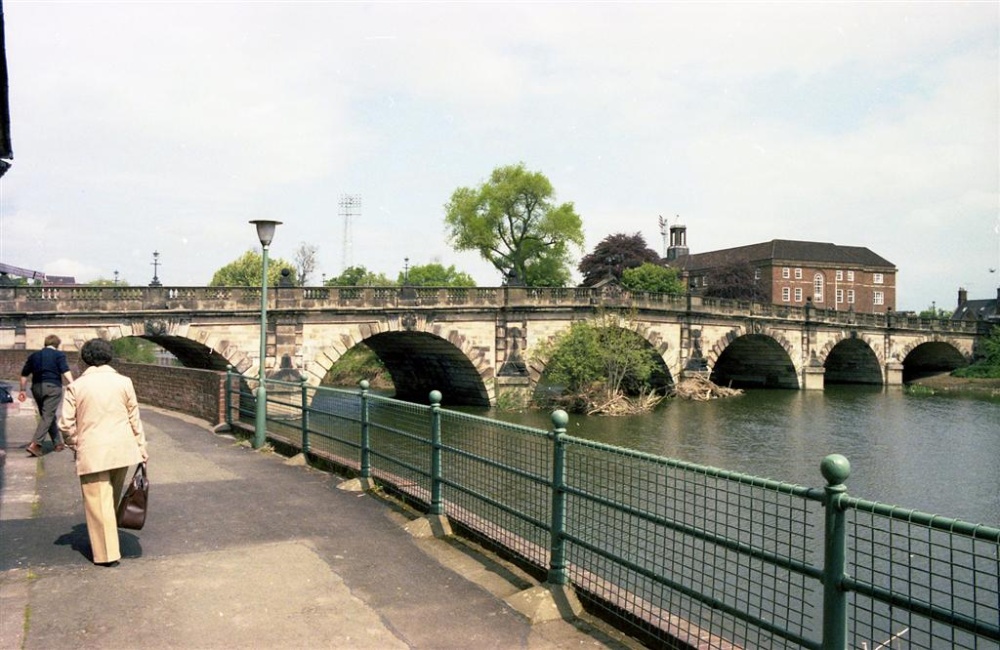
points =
(100, 421)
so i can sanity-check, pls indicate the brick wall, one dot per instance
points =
(195, 392)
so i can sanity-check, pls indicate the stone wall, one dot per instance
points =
(198, 393)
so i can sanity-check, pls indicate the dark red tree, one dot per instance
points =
(613, 255)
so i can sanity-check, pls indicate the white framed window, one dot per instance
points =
(756, 274)
(786, 294)
(850, 296)
(879, 298)
(840, 296)
(798, 274)
(786, 272)
(798, 294)
(877, 278)
(840, 275)
(850, 276)
(818, 287)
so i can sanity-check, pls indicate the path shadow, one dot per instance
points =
(78, 540)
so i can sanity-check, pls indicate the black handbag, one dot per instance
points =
(131, 510)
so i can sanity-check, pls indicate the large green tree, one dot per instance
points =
(613, 255)
(435, 275)
(653, 278)
(245, 271)
(359, 276)
(514, 223)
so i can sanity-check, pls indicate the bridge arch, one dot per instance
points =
(756, 360)
(852, 360)
(928, 356)
(419, 357)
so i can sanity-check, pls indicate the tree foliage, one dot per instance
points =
(104, 282)
(735, 281)
(599, 362)
(613, 255)
(133, 349)
(436, 275)
(305, 262)
(514, 223)
(359, 276)
(245, 271)
(988, 365)
(653, 278)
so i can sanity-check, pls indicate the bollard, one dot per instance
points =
(557, 557)
(366, 469)
(305, 416)
(835, 469)
(437, 505)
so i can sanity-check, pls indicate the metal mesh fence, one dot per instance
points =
(497, 482)
(921, 582)
(691, 553)
(400, 445)
(671, 551)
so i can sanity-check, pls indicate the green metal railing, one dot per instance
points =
(674, 553)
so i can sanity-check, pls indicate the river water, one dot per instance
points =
(940, 455)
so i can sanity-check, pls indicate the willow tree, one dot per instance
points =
(513, 222)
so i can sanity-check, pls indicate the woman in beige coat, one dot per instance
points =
(100, 423)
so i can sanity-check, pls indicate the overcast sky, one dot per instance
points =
(167, 126)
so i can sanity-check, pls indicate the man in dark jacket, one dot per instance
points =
(48, 370)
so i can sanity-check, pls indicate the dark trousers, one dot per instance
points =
(47, 397)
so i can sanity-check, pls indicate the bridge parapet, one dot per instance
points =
(114, 299)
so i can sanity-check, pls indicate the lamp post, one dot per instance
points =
(265, 233)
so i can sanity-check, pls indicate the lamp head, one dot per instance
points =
(265, 230)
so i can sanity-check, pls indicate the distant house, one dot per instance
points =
(843, 278)
(977, 310)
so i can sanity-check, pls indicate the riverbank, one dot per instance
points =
(960, 386)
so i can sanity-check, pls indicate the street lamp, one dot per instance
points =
(265, 233)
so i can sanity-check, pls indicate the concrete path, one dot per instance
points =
(243, 549)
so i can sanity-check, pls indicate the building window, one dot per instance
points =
(786, 294)
(756, 274)
(798, 294)
(798, 274)
(877, 278)
(818, 287)
(850, 296)
(786, 272)
(840, 275)
(840, 296)
(850, 276)
(879, 298)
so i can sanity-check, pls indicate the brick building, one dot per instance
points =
(842, 278)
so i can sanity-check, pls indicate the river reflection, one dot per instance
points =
(935, 454)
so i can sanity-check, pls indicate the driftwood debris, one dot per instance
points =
(702, 389)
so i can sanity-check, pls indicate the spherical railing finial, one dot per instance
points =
(435, 398)
(364, 384)
(835, 469)
(560, 419)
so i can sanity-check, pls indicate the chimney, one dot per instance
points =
(963, 297)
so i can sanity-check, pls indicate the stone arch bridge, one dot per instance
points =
(473, 344)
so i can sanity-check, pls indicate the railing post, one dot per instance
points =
(229, 397)
(557, 557)
(305, 416)
(835, 469)
(437, 506)
(366, 469)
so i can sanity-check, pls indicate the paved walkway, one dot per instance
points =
(242, 549)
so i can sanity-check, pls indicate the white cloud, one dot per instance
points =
(167, 126)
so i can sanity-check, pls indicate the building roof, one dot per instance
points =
(988, 309)
(788, 252)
